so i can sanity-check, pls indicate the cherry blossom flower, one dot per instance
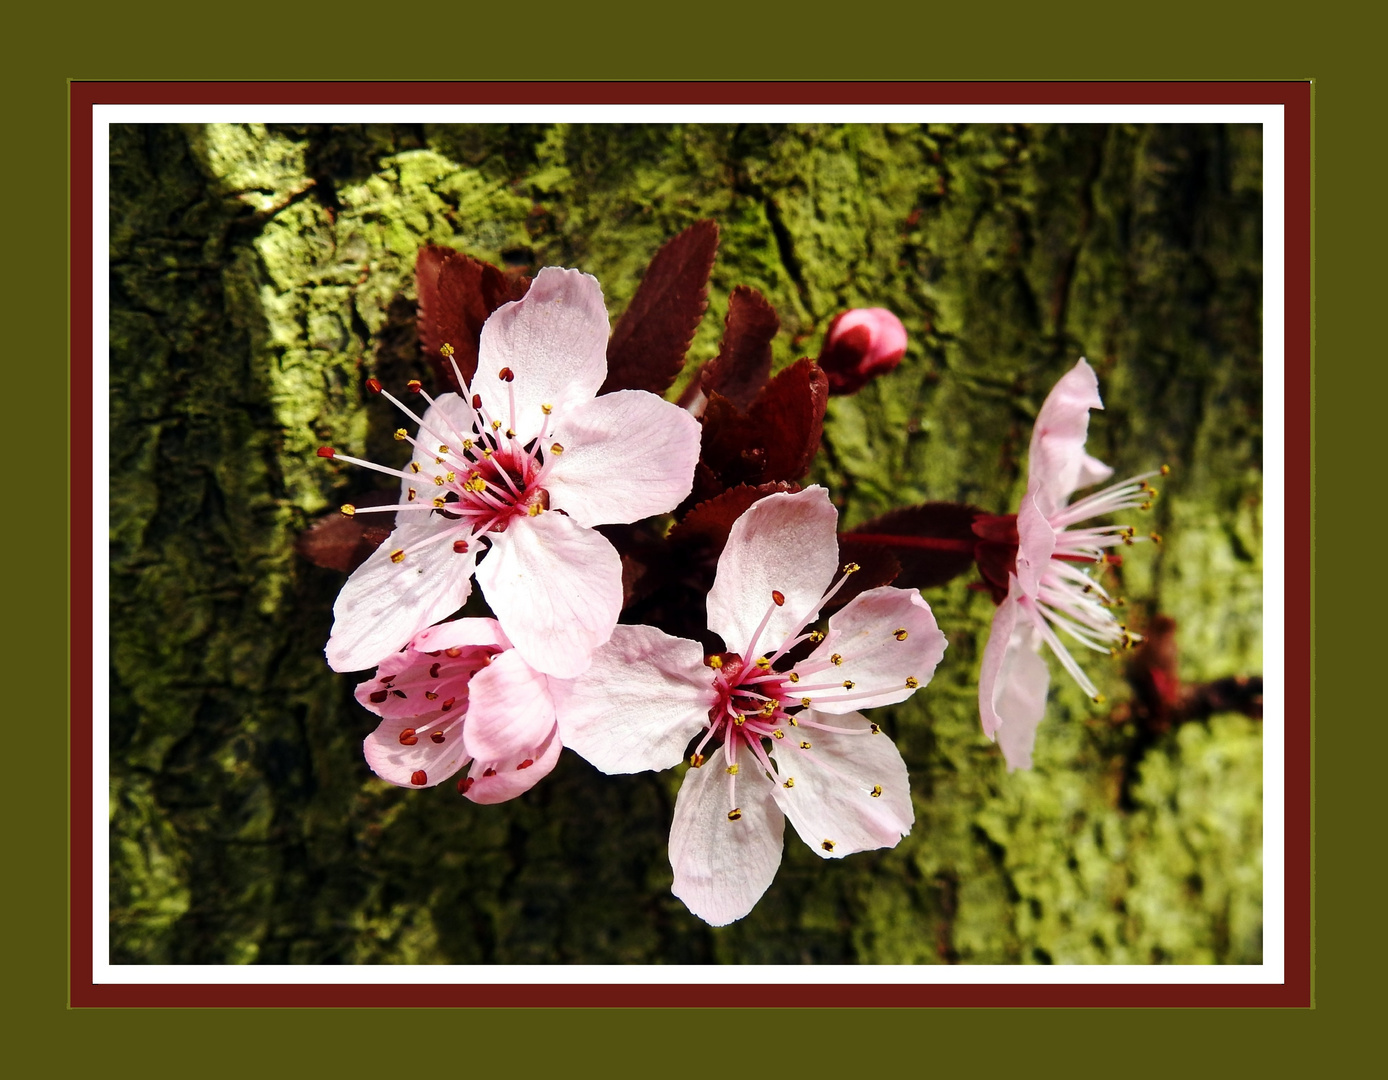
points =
(860, 345)
(781, 736)
(521, 469)
(1048, 586)
(457, 694)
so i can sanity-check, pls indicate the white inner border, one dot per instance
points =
(1271, 117)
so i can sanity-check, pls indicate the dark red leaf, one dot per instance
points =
(934, 542)
(743, 363)
(648, 345)
(456, 295)
(338, 542)
(788, 418)
(712, 520)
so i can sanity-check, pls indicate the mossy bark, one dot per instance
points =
(258, 275)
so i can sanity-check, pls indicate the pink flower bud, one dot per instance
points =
(860, 345)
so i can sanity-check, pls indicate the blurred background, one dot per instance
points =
(259, 274)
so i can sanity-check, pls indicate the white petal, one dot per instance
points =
(991, 672)
(496, 781)
(1035, 545)
(781, 543)
(636, 708)
(554, 341)
(556, 589)
(384, 604)
(865, 635)
(509, 711)
(1020, 697)
(627, 455)
(723, 867)
(1057, 460)
(423, 759)
(847, 793)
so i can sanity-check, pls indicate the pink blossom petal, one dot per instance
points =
(994, 653)
(554, 341)
(496, 781)
(722, 867)
(1020, 696)
(1057, 458)
(627, 455)
(556, 588)
(636, 708)
(420, 762)
(884, 637)
(782, 543)
(384, 604)
(510, 710)
(461, 634)
(1035, 545)
(447, 422)
(843, 793)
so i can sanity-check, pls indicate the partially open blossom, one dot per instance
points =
(780, 736)
(521, 468)
(457, 694)
(1049, 586)
(860, 345)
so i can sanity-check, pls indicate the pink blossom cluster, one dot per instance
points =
(507, 482)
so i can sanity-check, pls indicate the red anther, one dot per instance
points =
(436, 736)
(454, 652)
(448, 704)
(488, 772)
(525, 764)
(465, 785)
(407, 737)
(414, 386)
(460, 546)
(434, 670)
(419, 778)
(476, 401)
(506, 374)
(326, 451)
(374, 385)
(378, 696)
(778, 597)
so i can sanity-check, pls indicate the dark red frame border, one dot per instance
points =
(1295, 97)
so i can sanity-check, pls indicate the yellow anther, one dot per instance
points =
(793, 677)
(1166, 470)
(398, 555)
(1155, 538)
(875, 729)
(556, 449)
(769, 709)
(438, 461)
(496, 425)
(438, 481)
(739, 720)
(851, 568)
(836, 659)
(411, 494)
(714, 662)
(414, 466)
(401, 434)
(912, 682)
(876, 791)
(446, 349)
(790, 782)
(348, 509)
(697, 760)
(778, 734)
(440, 502)
(486, 451)
(764, 662)
(805, 702)
(734, 814)
(510, 433)
(804, 745)
(431, 695)
(452, 476)
(827, 845)
(900, 634)
(467, 444)
(816, 636)
(732, 770)
(546, 409)
(1099, 699)
(443, 449)
(848, 684)
(535, 510)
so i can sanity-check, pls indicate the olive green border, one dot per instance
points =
(725, 41)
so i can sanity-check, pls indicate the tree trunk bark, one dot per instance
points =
(259, 275)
